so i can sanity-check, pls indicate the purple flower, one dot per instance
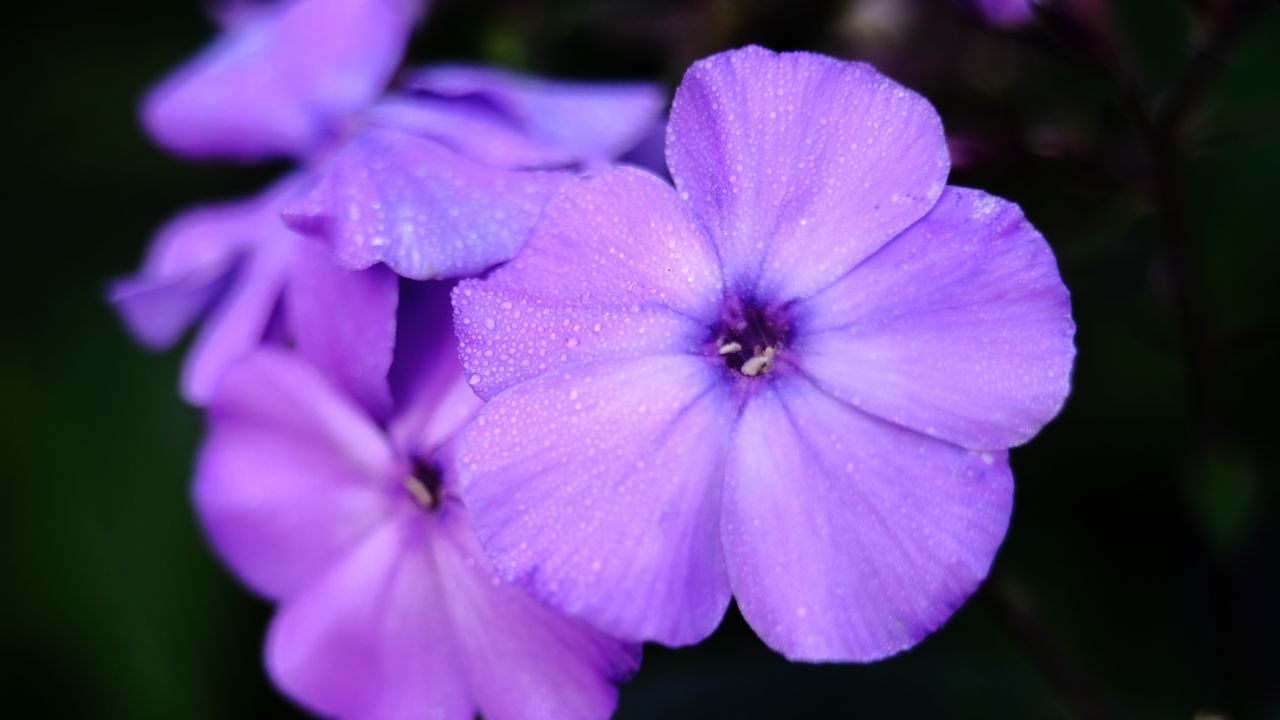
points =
(449, 175)
(435, 180)
(282, 79)
(388, 608)
(792, 379)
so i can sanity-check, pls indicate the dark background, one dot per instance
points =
(1141, 575)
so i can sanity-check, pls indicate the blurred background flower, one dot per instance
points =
(1138, 579)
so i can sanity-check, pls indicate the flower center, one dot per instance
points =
(750, 337)
(425, 485)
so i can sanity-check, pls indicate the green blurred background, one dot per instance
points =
(1141, 575)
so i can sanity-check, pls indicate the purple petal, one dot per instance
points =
(344, 322)
(239, 323)
(280, 81)
(563, 122)
(598, 489)
(1006, 13)
(291, 475)
(850, 539)
(960, 328)
(524, 660)
(800, 165)
(189, 262)
(372, 639)
(616, 268)
(433, 399)
(424, 210)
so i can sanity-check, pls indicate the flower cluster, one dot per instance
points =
(487, 411)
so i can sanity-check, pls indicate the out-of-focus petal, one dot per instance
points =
(572, 122)
(344, 322)
(847, 538)
(1006, 13)
(372, 639)
(240, 321)
(598, 489)
(433, 399)
(189, 263)
(617, 267)
(427, 212)
(524, 660)
(281, 79)
(960, 328)
(800, 165)
(291, 475)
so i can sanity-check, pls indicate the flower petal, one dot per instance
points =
(344, 322)
(433, 399)
(240, 321)
(426, 211)
(562, 122)
(291, 474)
(850, 539)
(278, 83)
(371, 639)
(599, 491)
(524, 660)
(617, 267)
(190, 262)
(800, 165)
(959, 328)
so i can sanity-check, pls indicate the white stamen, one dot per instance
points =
(420, 493)
(759, 363)
(730, 348)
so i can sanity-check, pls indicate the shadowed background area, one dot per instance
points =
(1141, 574)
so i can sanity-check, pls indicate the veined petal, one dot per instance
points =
(291, 475)
(850, 539)
(372, 639)
(524, 660)
(344, 322)
(617, 267)
(424, 210)
(959, 328)
(281, 79)
(598, 490)
(800, 165)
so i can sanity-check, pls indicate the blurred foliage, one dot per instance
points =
(1140, 576)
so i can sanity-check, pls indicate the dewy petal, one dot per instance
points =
(573, 121)
(847, 538)
(291, 475)
(525, 661)
(959, 328)
(426, 211)
(617, 267)
(598, 489)
(371, 639)
(190, 261)
(344, 322)
(800, 165)
(240, 321)
(278, 83)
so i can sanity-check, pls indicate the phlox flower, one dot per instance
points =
(472, 155)
(792, 379)
(387, 607)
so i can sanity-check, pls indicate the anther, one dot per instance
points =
(759, 363)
